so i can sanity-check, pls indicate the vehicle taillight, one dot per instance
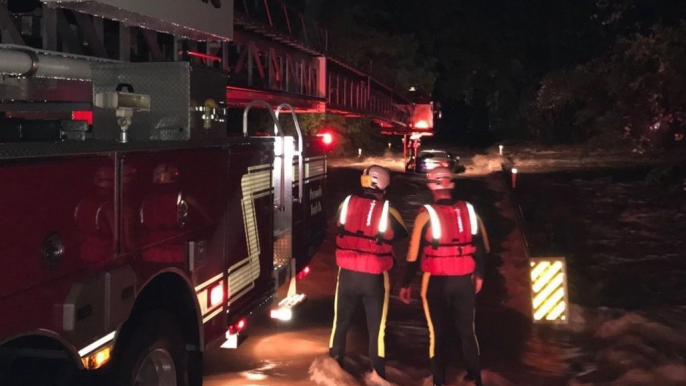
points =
(85, 115)
(238, 327)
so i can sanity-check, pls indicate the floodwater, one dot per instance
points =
(622, 233)
(623, 241)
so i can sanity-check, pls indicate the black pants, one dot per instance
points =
(441, 295)
(373, 291)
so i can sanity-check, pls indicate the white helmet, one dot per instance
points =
(439, 178)
(376, 177)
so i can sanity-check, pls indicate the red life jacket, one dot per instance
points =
(449, 248)
(364, 236)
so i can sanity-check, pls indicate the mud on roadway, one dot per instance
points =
(610, 339)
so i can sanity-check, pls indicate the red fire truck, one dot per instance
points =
(133, 243)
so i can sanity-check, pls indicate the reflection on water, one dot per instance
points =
(547, 355)
(599, 347)
(261, 373)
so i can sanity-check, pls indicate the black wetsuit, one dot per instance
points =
(446, 295)
(373, 290)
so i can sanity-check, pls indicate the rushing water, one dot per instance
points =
(623, 239)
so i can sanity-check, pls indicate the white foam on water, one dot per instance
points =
(325, 371)
(373, 379)
(635, 346)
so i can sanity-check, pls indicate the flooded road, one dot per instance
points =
(622, 232)
(281, 354)
(626, 327)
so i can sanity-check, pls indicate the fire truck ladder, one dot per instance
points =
(275, 53)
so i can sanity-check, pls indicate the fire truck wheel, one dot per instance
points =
(154, 355)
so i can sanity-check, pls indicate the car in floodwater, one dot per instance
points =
(432, 158)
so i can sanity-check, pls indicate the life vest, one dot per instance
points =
(449, 248)
(364, 236)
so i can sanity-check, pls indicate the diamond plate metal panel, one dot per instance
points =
(175, 89)
(283, 200)
(283, 249)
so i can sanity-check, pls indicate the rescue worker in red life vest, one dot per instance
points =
(367, 228)
(450, 239)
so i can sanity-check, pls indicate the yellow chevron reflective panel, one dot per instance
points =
(549, 289)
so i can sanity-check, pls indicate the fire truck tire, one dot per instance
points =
(154, 354)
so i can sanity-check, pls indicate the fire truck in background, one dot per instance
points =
(131, 244)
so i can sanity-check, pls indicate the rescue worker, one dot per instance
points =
(449, 240)
(367, 228)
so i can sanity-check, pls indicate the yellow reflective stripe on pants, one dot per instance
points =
(478, 347)
(335, 308)
(432, 335)
(382, 326)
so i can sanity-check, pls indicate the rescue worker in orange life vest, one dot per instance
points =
(451, 241)
(367, 228)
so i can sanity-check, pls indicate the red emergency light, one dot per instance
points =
(303, 273)
(326, 138)
(421, 125)
(423, 116)
(85, 115)
(201, 55)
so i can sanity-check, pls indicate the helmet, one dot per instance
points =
(439, 178)
(376, 177)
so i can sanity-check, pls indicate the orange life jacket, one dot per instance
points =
(449, 248)
(364, 236)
